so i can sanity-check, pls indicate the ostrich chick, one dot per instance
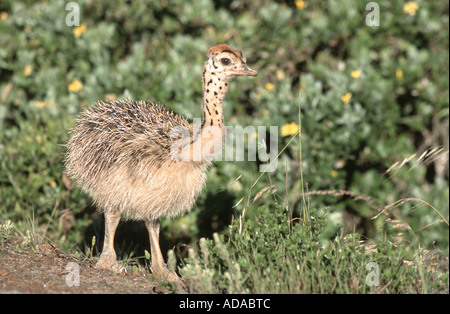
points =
(135, 160)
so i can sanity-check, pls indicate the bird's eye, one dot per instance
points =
(225, 61)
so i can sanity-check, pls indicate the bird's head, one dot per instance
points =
(226, 63)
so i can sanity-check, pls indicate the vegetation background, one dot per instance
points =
(374, 135)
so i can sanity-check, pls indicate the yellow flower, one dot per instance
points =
(399, 73)
(52, 183)
(75, 86)
(410, 8)
(27, 71)
(265, 112)
(77, 31)
(3, 15)
(41, 104)
(289, 129)
(346, 98)
(334, 173)
(269, 86)
(356, 74)
(300, 4)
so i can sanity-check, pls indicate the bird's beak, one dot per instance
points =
(245, 70)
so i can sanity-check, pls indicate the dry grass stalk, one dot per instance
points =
(428, 156)
(403, 201)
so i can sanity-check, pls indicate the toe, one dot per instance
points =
(111, 264)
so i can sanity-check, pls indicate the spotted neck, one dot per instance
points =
(214, 90)
(213, 127)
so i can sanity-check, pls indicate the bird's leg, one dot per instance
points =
(158, 267)
(108, 256)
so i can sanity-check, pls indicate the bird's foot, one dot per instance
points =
(109, 262)
(162, 273)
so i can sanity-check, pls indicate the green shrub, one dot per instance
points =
(273, 253)
(373, 99)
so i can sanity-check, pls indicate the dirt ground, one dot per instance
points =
(47, 269)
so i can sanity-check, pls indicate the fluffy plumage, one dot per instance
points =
(119, 153)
